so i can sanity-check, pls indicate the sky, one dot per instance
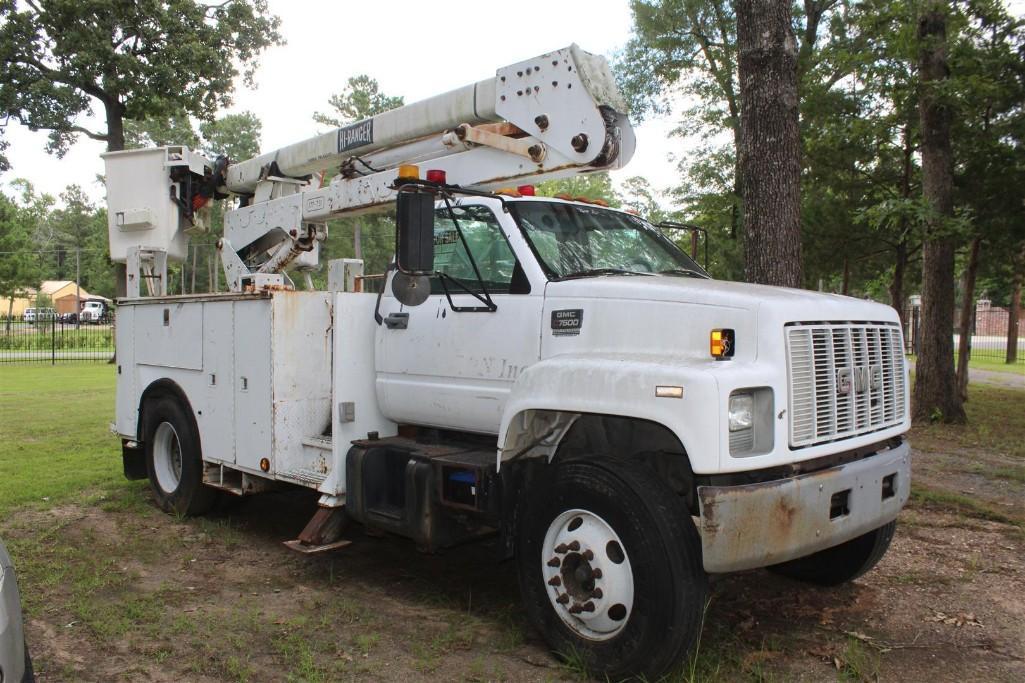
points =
(413, 49)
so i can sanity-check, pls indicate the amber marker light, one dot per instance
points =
(409, 172)
(721, 344)
(265, 464)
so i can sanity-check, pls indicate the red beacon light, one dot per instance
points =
(436, 176)
(526, 190)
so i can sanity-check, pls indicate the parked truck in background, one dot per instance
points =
(549, 370)
(93, 312)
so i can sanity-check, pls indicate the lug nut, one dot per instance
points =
(596, 573)
(554, 562)
(596, 593)
(579, 142)
(555, 581)
(576, 608)
(563, 599)
(574, 546)
(587, 607)
(588, 555)
(561, 548)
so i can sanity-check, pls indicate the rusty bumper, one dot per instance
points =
(756, 525)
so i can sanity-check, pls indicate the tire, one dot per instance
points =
(841, 563)
(174, 462)
(639, 534)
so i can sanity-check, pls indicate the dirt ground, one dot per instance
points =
(120, 591)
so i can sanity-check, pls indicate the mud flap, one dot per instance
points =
(134, 461)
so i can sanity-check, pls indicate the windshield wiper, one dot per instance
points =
(600, 271)
(682, 271)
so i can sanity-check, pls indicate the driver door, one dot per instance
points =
(444, 367)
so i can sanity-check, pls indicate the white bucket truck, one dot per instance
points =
(551, 371)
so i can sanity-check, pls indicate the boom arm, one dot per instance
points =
(552, 116)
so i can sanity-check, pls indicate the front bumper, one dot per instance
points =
(756, 525)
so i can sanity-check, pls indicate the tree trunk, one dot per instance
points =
(897, 286)
(769, 142)
(901, 257)
(936, 395)
(964, 346)
(115, 126)
(1014, 313)
(845, 288)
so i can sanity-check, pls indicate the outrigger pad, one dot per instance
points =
(300, 547)
(322, 533)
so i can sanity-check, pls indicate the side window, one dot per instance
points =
(494, 258)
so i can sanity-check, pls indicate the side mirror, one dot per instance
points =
(414, 233)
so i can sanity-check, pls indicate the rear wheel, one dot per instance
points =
(610, 568)
(174, 460)
(841, 563)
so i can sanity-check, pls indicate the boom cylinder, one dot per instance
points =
(562, 99)
(469, 104)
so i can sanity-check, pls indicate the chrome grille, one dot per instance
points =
(845, 379)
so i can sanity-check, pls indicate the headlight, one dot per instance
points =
(742, 408)
(750, 421)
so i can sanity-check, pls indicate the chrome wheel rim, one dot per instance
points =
(587, 574)
(167, 457)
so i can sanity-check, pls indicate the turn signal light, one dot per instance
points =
(721, 344)
(409, 172)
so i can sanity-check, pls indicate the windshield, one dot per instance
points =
(580, 241)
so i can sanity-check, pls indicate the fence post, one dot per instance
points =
(53, 340)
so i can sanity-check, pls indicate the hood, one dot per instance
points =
(775, 304)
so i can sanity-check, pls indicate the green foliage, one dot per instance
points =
(862, 214)
(361, 99)
(19, 270)
(592, 186)
(149, 59)
(175, 129)
(236, 136)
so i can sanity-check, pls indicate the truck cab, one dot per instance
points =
(600, 320)
(92, 312)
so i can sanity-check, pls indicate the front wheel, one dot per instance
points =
(610, 568)
(174, 459)
(841, 563)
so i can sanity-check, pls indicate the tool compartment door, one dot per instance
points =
(253, 366)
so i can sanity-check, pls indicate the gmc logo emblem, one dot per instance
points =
(860, 379)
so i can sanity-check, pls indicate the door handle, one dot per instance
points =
(397, 321)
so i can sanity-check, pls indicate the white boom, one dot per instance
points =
(551, 116)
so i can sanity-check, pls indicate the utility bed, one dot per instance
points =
(257, 370)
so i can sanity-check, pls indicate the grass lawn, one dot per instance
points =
(996, 364)
(55, 432)
(992, 363)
